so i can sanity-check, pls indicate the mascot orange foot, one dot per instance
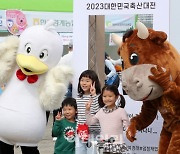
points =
(152, 74)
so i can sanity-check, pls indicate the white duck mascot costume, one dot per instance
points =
(34, 83)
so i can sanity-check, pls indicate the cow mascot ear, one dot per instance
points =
(152, 75)
(158, 37)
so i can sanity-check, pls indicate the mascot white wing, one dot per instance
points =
(8, 51)
(55, 86)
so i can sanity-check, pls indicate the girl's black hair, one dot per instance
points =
(69, 101)
(123, 102)
(106, 55)
(113, 89)
(93, 76)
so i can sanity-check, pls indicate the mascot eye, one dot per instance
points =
(10, 23)
(43, 54)
(28, 48)
(134, 59)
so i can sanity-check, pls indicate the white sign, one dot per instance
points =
(66, 37)
(63, 20)
(147, 139)
(3, 20)
(116, 23)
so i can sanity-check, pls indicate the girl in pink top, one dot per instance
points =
(111, 117)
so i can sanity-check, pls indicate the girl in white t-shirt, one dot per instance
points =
(88, 89)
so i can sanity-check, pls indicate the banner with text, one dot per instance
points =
(119, 16)
(63, 22)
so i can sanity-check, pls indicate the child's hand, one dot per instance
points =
(93, 89)
(58, 117)
(88, 105)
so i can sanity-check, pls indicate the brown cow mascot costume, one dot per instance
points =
(152, 74)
